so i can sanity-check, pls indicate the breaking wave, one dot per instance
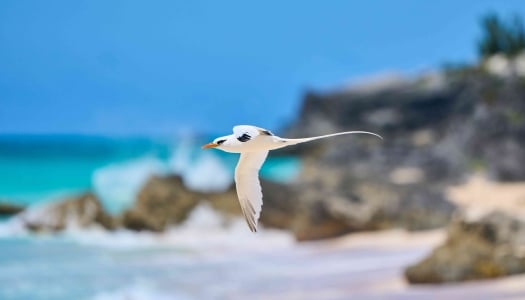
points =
(116, 180)
(117, 184)
(205, 231)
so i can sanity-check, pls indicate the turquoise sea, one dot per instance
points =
(92, 263)
(206, 257)
(40, 168)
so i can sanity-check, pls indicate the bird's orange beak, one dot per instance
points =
(209, 145)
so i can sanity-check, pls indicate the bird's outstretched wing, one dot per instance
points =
(248, 186)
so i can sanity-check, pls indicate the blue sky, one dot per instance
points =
(164, 67)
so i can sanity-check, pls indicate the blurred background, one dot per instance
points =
(106, 194)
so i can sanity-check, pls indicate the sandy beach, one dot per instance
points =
(479, 195)
(392, 250)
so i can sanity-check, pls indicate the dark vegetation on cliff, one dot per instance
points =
(501, 36)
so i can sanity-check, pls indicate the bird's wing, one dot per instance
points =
(249, 187)
(244, 133)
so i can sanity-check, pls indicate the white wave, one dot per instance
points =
(12, 228)
(45, 214)
(117, 184)
(208, 174)
(41, 212)
(181, 160)
(140, 291)
(201, 171)
(205, 231)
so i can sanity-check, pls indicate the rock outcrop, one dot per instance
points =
(7, 209)
(165, 200)
(437, 129)
(484, 247)
(443, 124)
(310, 213)
(76, 212)
(331, 203)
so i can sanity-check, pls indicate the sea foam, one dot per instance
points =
(205, 231)
(118, 184)
(141, 291)
(201, 171)
(208, 174)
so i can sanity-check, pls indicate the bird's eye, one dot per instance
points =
(219, 142)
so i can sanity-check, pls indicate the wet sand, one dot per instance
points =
(365, 266)
(371, 265)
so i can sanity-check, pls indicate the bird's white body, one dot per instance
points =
(254, 143)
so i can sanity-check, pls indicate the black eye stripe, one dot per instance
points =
(219, 142)
(244, 138)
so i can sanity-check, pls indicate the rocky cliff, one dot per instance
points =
(438, 130)
(442, 125)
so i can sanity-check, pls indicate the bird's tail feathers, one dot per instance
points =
(313, 138)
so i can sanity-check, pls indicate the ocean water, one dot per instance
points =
(36, 169)
(207, 257)
(204, 258)
(96, 264)
(93, 263)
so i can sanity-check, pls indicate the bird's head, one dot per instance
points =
(218, 143)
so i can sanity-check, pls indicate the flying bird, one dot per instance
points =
(254, 143)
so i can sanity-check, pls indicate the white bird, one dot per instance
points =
(253, 143)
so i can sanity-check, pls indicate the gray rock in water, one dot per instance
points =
(310, 211)
(488, 247)
(78, 212)
(165, 200)
(159, 202)
(8, 209)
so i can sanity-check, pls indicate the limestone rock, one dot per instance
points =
(484, 247)
(79, 212)
(7, 209)
(165, 200)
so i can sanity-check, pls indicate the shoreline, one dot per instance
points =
(366, 265)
